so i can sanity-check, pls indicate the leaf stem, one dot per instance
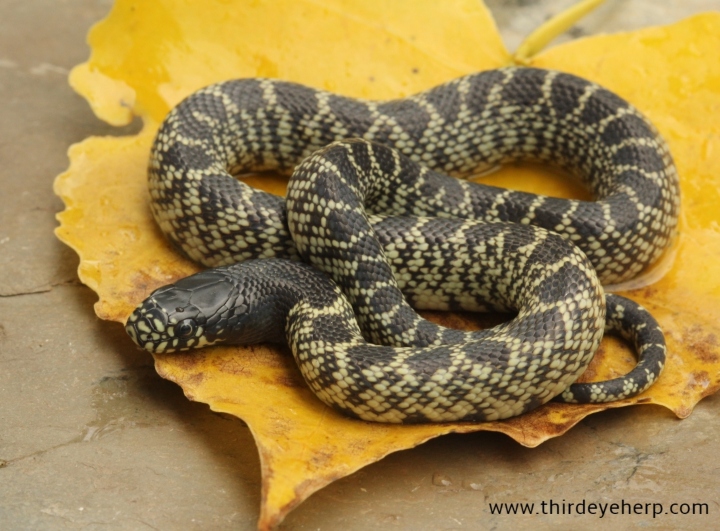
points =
(551, 29)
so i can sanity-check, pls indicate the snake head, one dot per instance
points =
(210, 307)
(182, 315)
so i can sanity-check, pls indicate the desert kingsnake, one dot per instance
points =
(438, 261)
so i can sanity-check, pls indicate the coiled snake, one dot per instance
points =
(389, 230)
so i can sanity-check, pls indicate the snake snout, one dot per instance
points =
(148, 328)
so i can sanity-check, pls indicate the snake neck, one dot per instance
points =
(276, 294)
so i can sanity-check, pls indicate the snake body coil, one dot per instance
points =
(424, 373)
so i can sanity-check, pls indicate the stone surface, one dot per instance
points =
(91, 437)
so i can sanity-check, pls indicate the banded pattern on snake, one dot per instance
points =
(461, 127)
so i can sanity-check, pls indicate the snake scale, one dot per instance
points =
(375, 215)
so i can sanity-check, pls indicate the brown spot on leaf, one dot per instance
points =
(647, 293)
(195, 379)
(233, 365)
(289, 381)
(704, 345)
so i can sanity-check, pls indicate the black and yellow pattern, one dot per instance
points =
(387, 229)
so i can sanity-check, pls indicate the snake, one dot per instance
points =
(406, 232)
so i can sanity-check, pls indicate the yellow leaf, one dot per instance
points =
(158, 52)
(146, 56)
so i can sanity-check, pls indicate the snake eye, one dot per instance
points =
(185, 328)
